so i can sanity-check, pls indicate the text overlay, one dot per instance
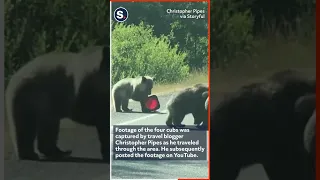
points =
(158, 143)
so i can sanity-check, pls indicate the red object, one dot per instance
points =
(152, 103)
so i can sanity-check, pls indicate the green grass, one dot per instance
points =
(194, 78)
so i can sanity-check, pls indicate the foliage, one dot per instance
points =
(136, 51)
(231, 33)
(238, 27)
(35, 27)
(189, 34)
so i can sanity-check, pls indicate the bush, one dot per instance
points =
(136, 51)
(189, 34)
(231, 33)
(241, 28)
(35, 27)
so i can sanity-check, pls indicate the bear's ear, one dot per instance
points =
(154, 78)
(205, 94)
(206, 104)
(144, 79)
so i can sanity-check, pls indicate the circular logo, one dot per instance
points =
(121, 14)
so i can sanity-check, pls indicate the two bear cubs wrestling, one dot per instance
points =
(190, 100)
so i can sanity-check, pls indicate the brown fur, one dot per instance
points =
(136, 89)
(189, 100)
(306, 115)
(52, 87)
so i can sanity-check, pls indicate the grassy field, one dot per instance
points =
(195, 78)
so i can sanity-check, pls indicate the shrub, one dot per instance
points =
(136, 51)
(231, 33)
(35, 27)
